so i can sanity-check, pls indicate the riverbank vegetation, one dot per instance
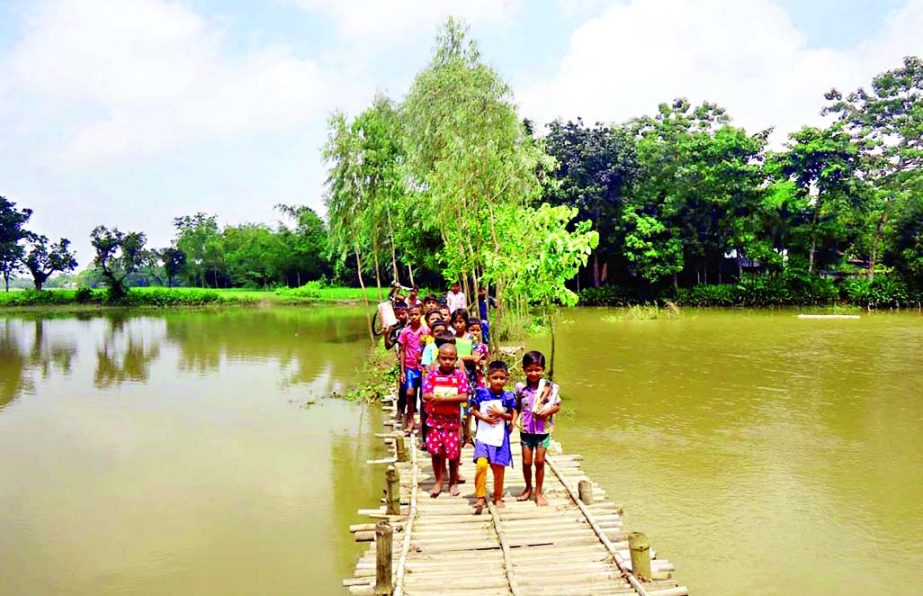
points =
(452, 182)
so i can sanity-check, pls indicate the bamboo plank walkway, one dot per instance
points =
(575, 545)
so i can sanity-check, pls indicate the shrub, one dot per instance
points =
(83, 295)
(880, 291)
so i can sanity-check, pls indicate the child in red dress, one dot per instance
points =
(444, 390)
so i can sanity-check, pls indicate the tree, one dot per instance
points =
(118, 255)
(822, 165)
(197, 236)
(306, 256)
(596, 166)
(42, 260)
(174, 261)
(886, 123)
(12, 232)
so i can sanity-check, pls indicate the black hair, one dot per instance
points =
(533, 357)
(429, 316)
(474, 321)
(400, 305)
(460, 312)
(498, 365)
(430, 298)
(439, 323)
(444, 338)
(416, 307)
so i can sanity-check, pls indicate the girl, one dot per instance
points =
(492, 406)
(538, 403)
(445, 389)
(478, 348)
(467, 360)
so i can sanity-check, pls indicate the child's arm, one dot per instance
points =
(403, 358)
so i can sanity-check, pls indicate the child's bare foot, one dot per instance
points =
(525, 495)
(461, 480)
(540, 500)
(453, 490)
(479, 506)
(437, 489)
(499, 503)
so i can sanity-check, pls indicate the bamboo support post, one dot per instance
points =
(401, 448)
(585, 489)
(383, 536)
(640, 548)
(393, 491)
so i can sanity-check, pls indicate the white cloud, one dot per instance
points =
(743, 54)
(130, 78)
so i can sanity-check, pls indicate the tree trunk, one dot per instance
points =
(550, 317)
(876, 240)
(365, 295)
(377, 275)
(410, 273)
(394, 270)
(813, 238)
(596, 269)
(675, 283)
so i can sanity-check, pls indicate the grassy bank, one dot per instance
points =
(184, 297)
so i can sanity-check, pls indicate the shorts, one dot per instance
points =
(401, 396)
(443, 441)
(534, 441)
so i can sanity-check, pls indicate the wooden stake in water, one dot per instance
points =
(400, 448)
(393, 491)
(383, 538)
(585, 490)
(640, 548)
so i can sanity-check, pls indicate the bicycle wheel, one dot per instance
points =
(377, 328)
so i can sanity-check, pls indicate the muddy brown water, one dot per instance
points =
(196, 452)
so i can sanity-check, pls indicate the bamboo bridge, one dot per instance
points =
(575, 545)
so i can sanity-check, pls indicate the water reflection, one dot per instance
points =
(26, 352)
(169, 455)
(126, 352)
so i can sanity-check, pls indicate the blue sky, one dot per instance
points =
(133, 112)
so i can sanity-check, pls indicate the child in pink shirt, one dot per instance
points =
(411, 342)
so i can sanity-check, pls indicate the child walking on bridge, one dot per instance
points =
(495, 410)
(445, 390)
(538, 403)
(411, 340)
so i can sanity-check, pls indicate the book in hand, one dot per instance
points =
(440, 407)
(491, 434)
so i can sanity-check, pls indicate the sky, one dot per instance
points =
(130, 113)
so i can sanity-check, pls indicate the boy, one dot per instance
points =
(391, 335)
(455, 298)
(411, 341)
(430, 303)
(492, 406)
(444, 390)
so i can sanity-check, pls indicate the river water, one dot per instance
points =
(196, 453)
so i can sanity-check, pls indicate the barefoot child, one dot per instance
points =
(538, 403)
(492, 406)
(410, 341)
(445, 389)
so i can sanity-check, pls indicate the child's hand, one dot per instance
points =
(476, 357)
(403, 377)
(493, 411)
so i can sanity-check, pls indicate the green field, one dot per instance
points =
(182, 297)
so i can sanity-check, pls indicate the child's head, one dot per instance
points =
(446, 337)
(456, 287)
(414, 315)
(533, 364)
(474, 329)
(482, 292)
(460, 321)
(414, 292)
(446, 314)
(497, 375)
(430, 303)
(400, 311)
(447, 357)
(438, 328)
(432, 318)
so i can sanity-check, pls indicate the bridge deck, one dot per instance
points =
(569, 547)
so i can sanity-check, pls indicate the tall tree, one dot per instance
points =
(887, 124)
(12, 232)
(596, 165)
(118, 254)
(306, 257)
(197, 237)
(174, 261)
(42, 259)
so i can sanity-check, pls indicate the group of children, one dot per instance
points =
(445, 365)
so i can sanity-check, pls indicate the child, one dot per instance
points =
(430, 303)
(444, 391)
(410, 341)
(492, 406)
(432, 317)
(428, 359)
(478, 348)
(445, 313)
(538, 402)
(393, 332)
(467, 358)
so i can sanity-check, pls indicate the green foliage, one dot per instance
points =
(12, 232)
(42, 260)
(881, 291)
(118, 254)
